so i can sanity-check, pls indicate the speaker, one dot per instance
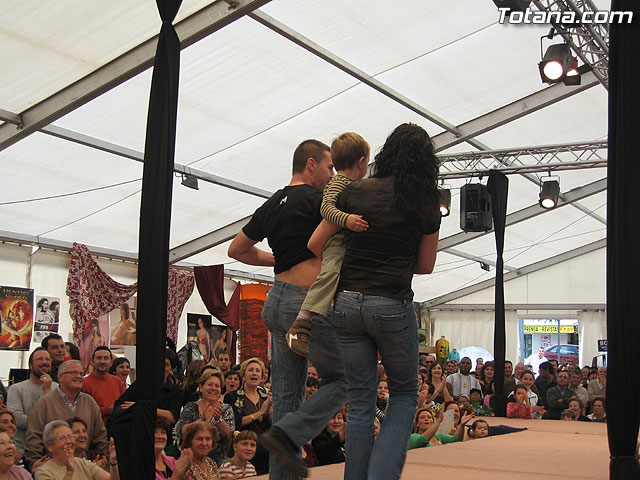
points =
(475, 208)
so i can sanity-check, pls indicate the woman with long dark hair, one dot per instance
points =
(373, 310)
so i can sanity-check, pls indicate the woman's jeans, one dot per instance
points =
(366, 325)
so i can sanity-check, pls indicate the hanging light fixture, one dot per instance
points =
(445, 200)
(555, 63)
(549, 193)
(189, 181)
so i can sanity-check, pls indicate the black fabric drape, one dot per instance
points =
(623, 243)
(499, 188)
(137, 461)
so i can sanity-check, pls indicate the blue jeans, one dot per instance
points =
(366, 325)
(301, 421)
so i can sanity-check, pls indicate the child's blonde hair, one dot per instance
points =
(347, 149)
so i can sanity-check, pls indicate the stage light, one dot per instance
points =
(573, 74)
(549, 192)
(555, 63)
(445, 201)
(190, 181)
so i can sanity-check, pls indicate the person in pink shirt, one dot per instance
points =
(521, 408)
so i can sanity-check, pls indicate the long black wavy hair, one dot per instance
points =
(408, 156)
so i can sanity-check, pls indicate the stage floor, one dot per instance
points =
(549, 449)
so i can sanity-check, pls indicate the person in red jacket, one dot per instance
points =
(521, 408)
(101, 385)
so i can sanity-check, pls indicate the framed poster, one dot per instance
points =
(123, 324)
(16, 309)
(47, 317)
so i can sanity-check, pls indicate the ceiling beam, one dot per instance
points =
(513, 111)
(207, 241)
(200, 24)
(534, 267)
(458, 253)
(523, 306)
(529, 212)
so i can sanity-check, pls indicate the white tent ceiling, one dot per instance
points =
(248, 96)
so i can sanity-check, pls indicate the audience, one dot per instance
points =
(462, 382)
(486, 378)
(64, 402)
(575, 383)
(599, 413)
(521, 408)
(101, 385)
(545, 381)
(527, 381)
(8, 459)
(598, 388)
(198, 439)
(240, 452)
(558, 397)
(232, 381)
(54, 344)
(577, 406)
(190, 384)
(165, 466)
(382, 400)
(479, 429)
(329, 444)
(443, 390)
(121, 367)
(22, 396)
(81, 450)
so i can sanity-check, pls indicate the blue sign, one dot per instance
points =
(602, 345)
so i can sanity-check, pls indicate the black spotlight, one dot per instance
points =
(475, 208)
(573, 74)
(445, 201)
(513, 5)
(555, 63)
(549, 192)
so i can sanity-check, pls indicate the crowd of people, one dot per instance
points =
(345, 382)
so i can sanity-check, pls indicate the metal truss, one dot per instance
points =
(589, 41)
(570, 156)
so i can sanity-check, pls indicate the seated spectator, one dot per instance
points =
(197, 441)
(312, 386)
(382, 400)
(8, 460)
(598, 388)
(426, 428)
(121, 368)
(452, 367)
(569, 415)
(479, 429)
(22, 396)
(102, 386)
(312, 371)
(521, 407)
(81, 450)
(376, 428)
(190, 384)
(54, 344)
(232, 381)
(252, 408)
(329, 444)
(164, 465)
(462, 382)
(240, 452)
(545, 381)
(585, 375)
(425, 395)
(381, 373)
(486, 379)
(224, 361)
(211, 410)
(599, 414)
(558, 397)
(575, 384)
(59, 440)
(479, 404)
(443, 390)
(64, 402)
(577, 406)
(527, 381)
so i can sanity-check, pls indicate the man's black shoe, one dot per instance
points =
(277, 442)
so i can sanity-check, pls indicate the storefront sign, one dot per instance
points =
(548, 329)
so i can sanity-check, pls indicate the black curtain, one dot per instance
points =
(134, 438)
(623, 243)
(499, 188)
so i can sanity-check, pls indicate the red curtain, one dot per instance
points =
(254, 336)
(210, 283)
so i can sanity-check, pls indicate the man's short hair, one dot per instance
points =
(101, 347)
(48, 338)
(547, 366)
(47, 433)
(347, 149)
(304, 151)
(65, 365)
(224, 352)
(39, 349)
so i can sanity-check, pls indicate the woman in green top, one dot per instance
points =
(426, 427)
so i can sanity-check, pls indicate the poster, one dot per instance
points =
(199, 330)
(96, 336)
(16, 309)
(123, 324)
(47, 317)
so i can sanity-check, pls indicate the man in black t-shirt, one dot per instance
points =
(287, 221)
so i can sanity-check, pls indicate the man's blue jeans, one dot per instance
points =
(289, 372)
(366, 325)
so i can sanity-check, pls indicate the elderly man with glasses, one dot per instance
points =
(60, 442)
(64, 402)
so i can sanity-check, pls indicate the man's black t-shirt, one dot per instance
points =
(381, 260)
(287, 220)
